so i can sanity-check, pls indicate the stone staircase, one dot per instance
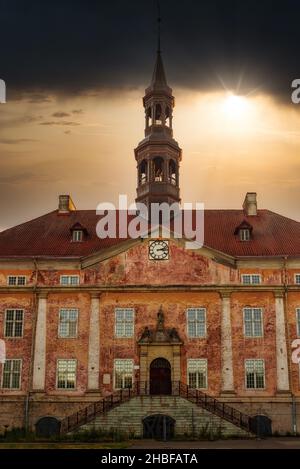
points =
(193, 411)
(190, 419)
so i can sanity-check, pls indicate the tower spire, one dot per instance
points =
(158, 155)
(158, 28)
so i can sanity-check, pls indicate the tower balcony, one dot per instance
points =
(158, 190)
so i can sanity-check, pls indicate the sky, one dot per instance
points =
(76, 72)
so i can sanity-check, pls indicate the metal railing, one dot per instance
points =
(201, 399)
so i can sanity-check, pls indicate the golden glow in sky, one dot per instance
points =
(83, 145)
(236, 107)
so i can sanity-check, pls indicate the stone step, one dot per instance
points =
(189, 418)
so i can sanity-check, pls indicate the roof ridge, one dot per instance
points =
(27, 222)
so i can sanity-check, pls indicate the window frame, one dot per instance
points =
(242, 234)
(255, 377)
(252, 308)
(70, 284)
(124, 323)
(75, 236)
(251, 279)
(11, 375)
(114, 373)
(17, 277)
(14, 323)
(57, 374)
(187, 322)
(206, 372)
(298, 321)
(68, 322)
(297, 276)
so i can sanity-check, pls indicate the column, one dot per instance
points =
(94, 344)
(281, 347)
(39, 360)
(226, 345)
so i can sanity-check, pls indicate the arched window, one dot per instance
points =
(168, 117)
(158, 114)
(148, 117)
(143, 172)
(158, 164)
(172, 173)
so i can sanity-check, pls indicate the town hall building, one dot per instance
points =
(144, 334)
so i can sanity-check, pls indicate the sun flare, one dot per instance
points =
(236, 106)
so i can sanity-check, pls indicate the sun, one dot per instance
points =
(236, 106)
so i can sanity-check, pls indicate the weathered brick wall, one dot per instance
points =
(19, 347)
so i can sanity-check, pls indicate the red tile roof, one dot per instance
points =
(49, 235)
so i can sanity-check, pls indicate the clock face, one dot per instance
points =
(159, 250)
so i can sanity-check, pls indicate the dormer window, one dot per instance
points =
(244, 231)
(78, 233)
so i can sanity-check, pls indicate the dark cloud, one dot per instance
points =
(18, 121)
(73, 46)
(60, 114)
(16, 141)
(59, 123)
(38, 98)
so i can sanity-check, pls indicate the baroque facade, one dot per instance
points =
(83, 317)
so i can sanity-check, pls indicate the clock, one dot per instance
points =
(158, 250)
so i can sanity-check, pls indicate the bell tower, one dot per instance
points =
(158, 154)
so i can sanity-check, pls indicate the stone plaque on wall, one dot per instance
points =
(106, 378)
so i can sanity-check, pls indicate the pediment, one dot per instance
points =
(128, 263)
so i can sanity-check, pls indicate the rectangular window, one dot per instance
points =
(298, 321)
(14, 323)
(197, 373)
(196, 322)
(69, 279)
(251, 279)
(123, 374)
(11, 378)
(68, 323)
(255, 374)
(253, 322)
(124, 322)
(297, 279)
(66, 374)
(244, 234)
(16, 280)
(77, 235)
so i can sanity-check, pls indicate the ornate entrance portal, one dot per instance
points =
(160, 377)
(160, 357)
